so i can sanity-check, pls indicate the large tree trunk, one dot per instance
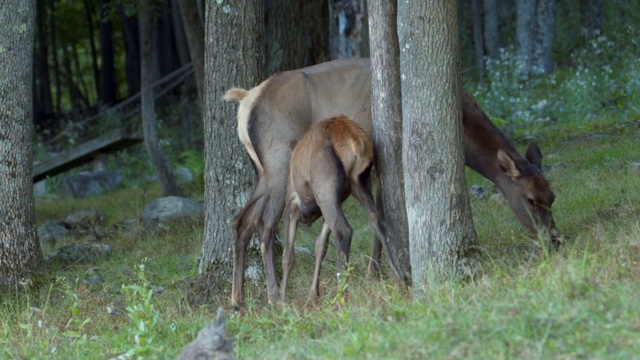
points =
(441, 228)
(233, 57)
(195, 38)
(147, 105)
(386, 108)
(107, 86)
(20, 254)
(346, 23)
(491, 28)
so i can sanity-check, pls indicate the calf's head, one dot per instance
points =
(529, 193)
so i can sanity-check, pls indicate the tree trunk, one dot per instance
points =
(441, 228)
(131, 35)
(179, 35)
(346, 19)
(545, 26)
(592, 14)
(88, 6)
(491, 28)
(233, 57)
(526, 10)
(54, 55)
(148, 111)
(107, 87)
(195, 38)
(478, 39)
(44, 98)
(165, 45)
(20, 254)
(284, 35)
(316, 14)
(386, 108)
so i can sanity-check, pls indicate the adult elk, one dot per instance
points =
(273, 117)
(334, 159)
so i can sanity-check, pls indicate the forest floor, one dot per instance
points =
(582, 301)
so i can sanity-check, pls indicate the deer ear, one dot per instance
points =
(534, 155)
(507, 165)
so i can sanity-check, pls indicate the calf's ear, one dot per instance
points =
(534, 155)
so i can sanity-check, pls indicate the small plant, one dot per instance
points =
(141, 310)
(74, 327)
(193, 160)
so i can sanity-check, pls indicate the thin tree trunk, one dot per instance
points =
(131, 35)
(54, 55)
(315, 14)
(195, 38)
(491, 28)
(386, 108)
(107, 85)
(525, 33)
(441, 229)
(180, 38)
(88, 6)
(21, 260)
(545, 26)
(478, 38)
(283, 35)
(233, 57)
(592, 15)
(45, 99)
(346, 20)
(160, 161)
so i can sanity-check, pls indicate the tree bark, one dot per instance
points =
(441, 228)
(233, 57)
(491, 28)
(20, 254)
(316, 14)
(386, 108)
(545, 26)
(88, 6)
(195, 38)
(346, 20)
(147, 105)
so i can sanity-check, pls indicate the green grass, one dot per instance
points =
(580, 302)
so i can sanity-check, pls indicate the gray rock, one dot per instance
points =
(40, 188)
(161, 211)
(95, 279)
(211, 343)
(78, 252)
(87, 184)
(50, 233)
(184, 175)
(636, 165)
(86, 218)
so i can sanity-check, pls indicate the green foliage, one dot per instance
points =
(193, 160)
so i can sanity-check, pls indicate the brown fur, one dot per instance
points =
(332, 160)
(276, 114)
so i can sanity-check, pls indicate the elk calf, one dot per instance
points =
(331, 161)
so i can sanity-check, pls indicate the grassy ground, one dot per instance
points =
(580, 302)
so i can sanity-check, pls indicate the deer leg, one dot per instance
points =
(362, 191)
(292, 215)
(244, 225)
(321, 251)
